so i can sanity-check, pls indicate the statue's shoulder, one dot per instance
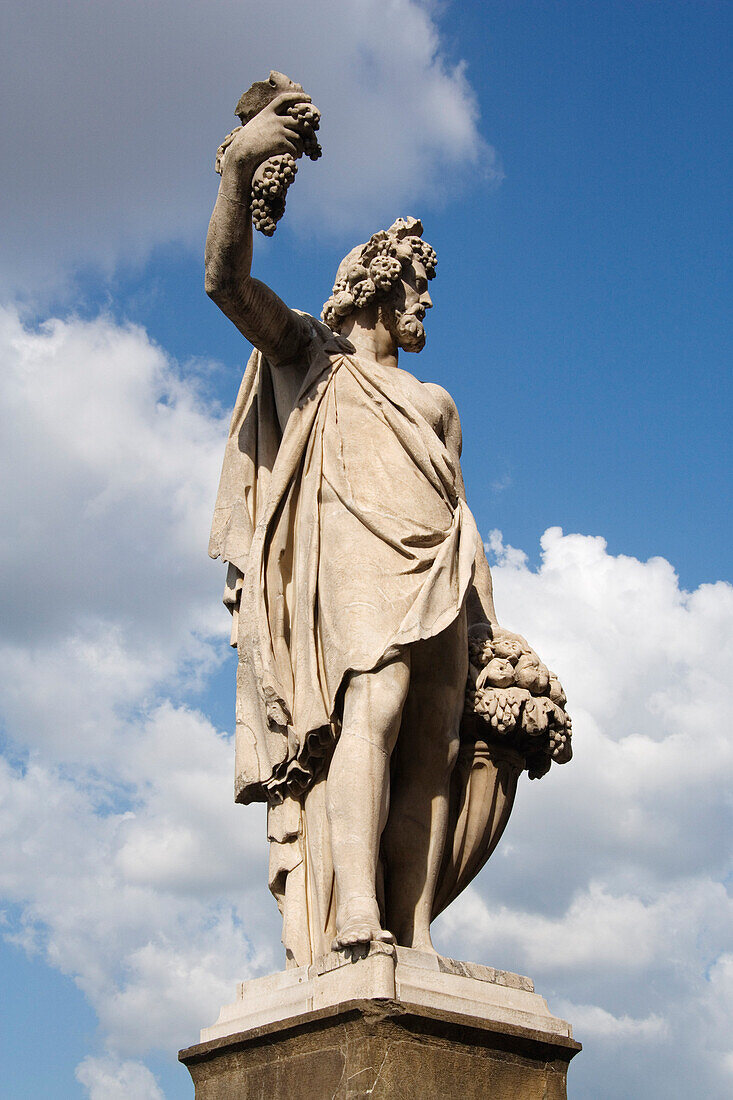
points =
(449, 414)
(447, 405)
(318, 335)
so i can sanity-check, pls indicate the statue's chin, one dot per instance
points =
(410, 332)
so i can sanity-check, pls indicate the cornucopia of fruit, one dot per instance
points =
(521, 702)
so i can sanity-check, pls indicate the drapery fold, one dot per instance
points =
(351, 541)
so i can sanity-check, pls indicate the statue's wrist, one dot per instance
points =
(243, 158)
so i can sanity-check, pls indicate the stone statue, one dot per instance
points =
(382, 713)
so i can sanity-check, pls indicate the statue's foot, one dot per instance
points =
(358, 923)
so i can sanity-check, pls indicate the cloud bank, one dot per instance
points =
(114, 112)
(135, 874)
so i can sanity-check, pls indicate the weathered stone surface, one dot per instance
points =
(388, 973)
(382, 712)
(381, 1050)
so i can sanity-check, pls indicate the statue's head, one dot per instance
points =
(390, 272)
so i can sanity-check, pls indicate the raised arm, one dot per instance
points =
(256, 310)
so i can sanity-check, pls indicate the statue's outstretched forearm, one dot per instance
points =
(228, 254)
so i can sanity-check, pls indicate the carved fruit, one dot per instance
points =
(556, 692)
(343, 303)
(538, 765)
(535, 717)
(509, 648)
(480, 632)
(498, 673)
(531, 674)
(561, 749)
(500, 709)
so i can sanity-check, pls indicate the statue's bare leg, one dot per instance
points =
(424, 758)
(357, 796)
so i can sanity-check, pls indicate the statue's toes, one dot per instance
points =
(360, 933)
(349, 937)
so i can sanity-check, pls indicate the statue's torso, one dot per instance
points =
(429, 399)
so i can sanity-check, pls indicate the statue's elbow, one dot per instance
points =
(226, 289)
(215, 287)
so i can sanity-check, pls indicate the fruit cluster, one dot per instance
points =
(426, 254)
(269, 188)
(515, 694)
(308, 119)
(374, 270)
(273, 177)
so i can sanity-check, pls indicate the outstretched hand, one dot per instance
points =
(272, 131)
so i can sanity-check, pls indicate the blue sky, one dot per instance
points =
(598, 273)
(571, 163)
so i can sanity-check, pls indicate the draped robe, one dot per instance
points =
(351, 542)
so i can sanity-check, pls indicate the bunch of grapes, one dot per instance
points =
(272, 179)
(425, 253)
(363, 292)
(308, 119)
(500, 708)
(269, 188)
(384, 271)
(560, 748)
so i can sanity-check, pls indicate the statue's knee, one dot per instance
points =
(454, 744)
(373, 704)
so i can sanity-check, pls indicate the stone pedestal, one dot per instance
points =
(394, 1023)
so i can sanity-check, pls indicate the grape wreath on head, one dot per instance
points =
(371, 270)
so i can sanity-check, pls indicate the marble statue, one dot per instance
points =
(382, 713)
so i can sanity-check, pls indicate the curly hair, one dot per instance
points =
(371, 270)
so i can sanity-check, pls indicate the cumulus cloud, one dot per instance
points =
(120, 840)
(114, 112)
(112, 1079)
(102, 560)
(133, 871)
(609, 887)
(596, 1022)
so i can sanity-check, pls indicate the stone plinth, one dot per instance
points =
(396, 1023)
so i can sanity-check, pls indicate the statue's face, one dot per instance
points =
(404, 311)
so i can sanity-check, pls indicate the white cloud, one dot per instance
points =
(110, 1079)
(609, 887)
(113, 113)
(120, 840)
(596, 1023)
(136, 874)
(112, 468)
(623, 933)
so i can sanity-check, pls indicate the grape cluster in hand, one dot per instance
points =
(269, 188)
(272, 179)
(274, 176)
(308, 119)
